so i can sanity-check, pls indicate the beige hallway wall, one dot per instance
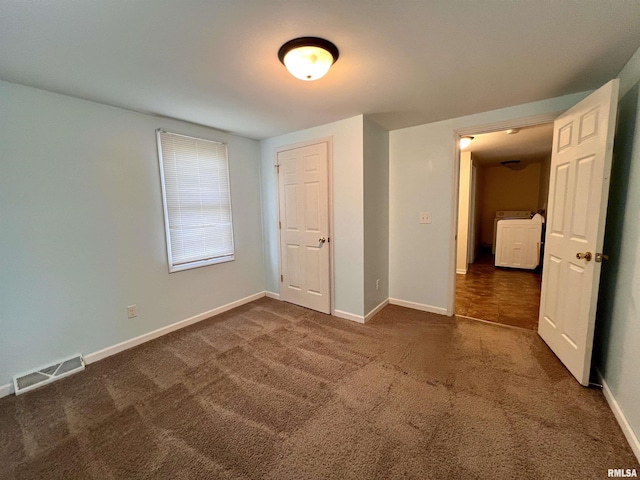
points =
(506, 189)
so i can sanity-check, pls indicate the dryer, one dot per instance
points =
(507, 215)
(518, 243)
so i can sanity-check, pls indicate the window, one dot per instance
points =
(197, 203)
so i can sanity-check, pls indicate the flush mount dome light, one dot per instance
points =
(308, 58)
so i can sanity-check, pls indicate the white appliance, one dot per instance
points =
(506, 215)
(518, 243)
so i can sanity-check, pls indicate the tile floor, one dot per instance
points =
(501, 295)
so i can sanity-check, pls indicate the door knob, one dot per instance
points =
(322, 240)
(586, 256)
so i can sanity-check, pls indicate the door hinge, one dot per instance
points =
(277, 168)
(282, 278)
(280, 225)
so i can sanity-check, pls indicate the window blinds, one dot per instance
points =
(197, 201)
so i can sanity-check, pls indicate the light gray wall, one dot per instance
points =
(376, 214)
(348, 222)
(617, 340)
(82, 232)
(421, 178)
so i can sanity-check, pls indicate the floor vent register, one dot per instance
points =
(48, 374)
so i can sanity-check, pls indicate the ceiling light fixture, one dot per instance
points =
(308, 58)
(513, 164)
(465, 141)
(513, 131)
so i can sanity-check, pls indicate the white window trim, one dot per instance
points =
(198, 263)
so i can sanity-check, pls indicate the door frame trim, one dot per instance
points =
(329, 141)
(520, 122)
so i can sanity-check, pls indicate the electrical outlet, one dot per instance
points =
(378, 284)
(425, 217)
(132, 311)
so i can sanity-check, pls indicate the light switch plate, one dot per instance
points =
(425, 217)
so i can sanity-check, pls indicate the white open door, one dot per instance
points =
(578, 196)
(303, 191)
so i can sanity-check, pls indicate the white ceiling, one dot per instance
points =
(529, 145)
(405, 62)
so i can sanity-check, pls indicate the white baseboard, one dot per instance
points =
(373, 312)
(120, 347)
(461, 271)
(6, 390)
(107, 352)
(630, 435)
(418, 306)
(342, 314)
(349, 316)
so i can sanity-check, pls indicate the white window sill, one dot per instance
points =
(200, 263)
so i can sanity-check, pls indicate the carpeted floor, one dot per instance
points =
(270, 390)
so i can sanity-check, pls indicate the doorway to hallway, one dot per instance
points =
(503, 186)
(506, 296)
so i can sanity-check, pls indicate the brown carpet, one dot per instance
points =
(270, 390)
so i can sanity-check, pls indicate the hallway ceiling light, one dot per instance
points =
(465, 141)
(513, 164)
(308, 58)
(513, 131)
